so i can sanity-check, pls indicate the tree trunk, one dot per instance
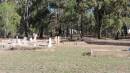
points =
(71, 35)
(98, 13)
(41, 32)
(26, 20)
(99, 30)
(60, 31)
(81, 25)
(67, 31)
(26, 30)
(117, 36)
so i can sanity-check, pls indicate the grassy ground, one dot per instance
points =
(65, 60)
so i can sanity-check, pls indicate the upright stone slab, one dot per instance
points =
(58, 40)
(24, 41)
(128, 31)
(50, 43)
(34, 37)
(92, 52)
(17, 39)
(2, 44)
(19, 42)
(30, 39)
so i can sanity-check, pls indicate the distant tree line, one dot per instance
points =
(66, 18)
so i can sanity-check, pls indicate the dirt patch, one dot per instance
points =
(107, 42)
(92, 46)
(99, 50)
(112, 53)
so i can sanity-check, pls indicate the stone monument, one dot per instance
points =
(30, 39)
(57, 40)
(17, 39)
(50, 43)
(19, 42)
(34, 37)
(25, 41)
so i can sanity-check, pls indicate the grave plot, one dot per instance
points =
(108, 52)
(31, 44)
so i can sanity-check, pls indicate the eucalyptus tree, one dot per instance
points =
(108, 10)
(80, 9)
(9, 18)
(100, 15)
(23, 8)
(118, 12)
(33, 13)
(70, 16)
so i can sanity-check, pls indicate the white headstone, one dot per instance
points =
(34, 37)
(58, 40)
(50, 43)
(19, 42)
(31, 39)
(25, 40)
(92, 52)
(128, 31)
(17, 39)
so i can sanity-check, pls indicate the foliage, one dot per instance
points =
(9, 18)
(83, 16)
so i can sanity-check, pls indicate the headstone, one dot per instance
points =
(17, 39)
(34, 36)
(2, 44)
(92, 53)
(30, 39)
(58, 40)
(19, 42)
(25, 40)
(50, 43)
(128, 31)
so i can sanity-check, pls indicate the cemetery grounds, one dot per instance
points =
(68, 57)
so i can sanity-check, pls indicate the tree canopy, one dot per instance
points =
(99, 18)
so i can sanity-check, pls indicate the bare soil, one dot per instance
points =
(121, 42)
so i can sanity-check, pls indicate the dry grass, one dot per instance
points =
(63, 59)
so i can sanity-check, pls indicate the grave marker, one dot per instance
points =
(30, 39)
(34, 36)
(58, 40)
(50, 43)
(25, 40)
